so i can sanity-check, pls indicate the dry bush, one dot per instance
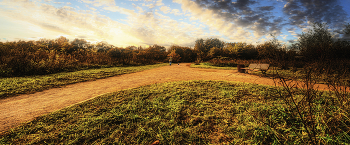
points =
(323, 116)
(318, 117)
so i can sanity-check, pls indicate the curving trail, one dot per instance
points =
(15, 110)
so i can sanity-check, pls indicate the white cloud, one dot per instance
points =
(99, 3)
(139, 9)
(292, 33)
(151, 6)
(93, 9)
(159, 3)
(88, 1)
(176, 12)
(155, 28)
(284, 36)
(165, 9)
(119, 9)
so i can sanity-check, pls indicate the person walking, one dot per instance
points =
(170, 59)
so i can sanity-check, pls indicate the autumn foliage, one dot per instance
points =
(44, 56)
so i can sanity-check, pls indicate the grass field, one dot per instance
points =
(30, 84)
(186, 112)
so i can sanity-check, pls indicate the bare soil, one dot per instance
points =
(23, 108)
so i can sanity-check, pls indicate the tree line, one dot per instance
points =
(21, 58)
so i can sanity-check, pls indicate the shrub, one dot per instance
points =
(222, 62)
(51, 56)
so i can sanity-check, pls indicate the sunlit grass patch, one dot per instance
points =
(19, 85)
(208, 65)
(186, 112)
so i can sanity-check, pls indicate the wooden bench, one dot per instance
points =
(257, 67)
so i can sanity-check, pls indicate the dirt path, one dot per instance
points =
(16, 110)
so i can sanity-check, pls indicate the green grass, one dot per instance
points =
(186, 112)
(208, 65)
(30, 84)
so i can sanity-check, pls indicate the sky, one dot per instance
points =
(125, 23)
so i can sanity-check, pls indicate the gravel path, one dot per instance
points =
(15, 110)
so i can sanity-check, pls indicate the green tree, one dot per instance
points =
(202, 47)
(215, 52)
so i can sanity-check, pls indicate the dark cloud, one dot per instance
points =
(301, 11)
(251, 15)
(227, 5)
(266, 8)
(245, 13)
(290, 29)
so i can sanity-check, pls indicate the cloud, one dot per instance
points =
(58, 2)
(239, 20)
(52, 27)
(165, 9)
(176, 12)
(159, 3)
(284, 36)
(292, 33)
(150, 6)
(301, 12)
(154, 28)
(119, 9)
(98, 3)
(266, 8)
(235, 20)
(108, 5)
(142, 28)
(67, 21)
